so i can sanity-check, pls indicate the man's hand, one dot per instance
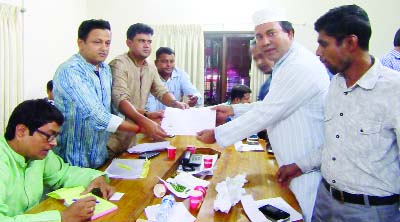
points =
(223, 111)
(180, 105)
(153, 130)
(100, 182)
(206, 136)
(81, 210)
(286, 173)
(156, 116)
(192, 100)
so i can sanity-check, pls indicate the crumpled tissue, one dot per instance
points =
(229, 192)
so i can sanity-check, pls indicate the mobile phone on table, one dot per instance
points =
(274, 214)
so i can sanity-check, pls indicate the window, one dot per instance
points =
(227, 63)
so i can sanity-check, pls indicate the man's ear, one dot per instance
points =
(351, 42)
(21, 131)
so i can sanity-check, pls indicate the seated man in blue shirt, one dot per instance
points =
(27, 163)
(176, 80)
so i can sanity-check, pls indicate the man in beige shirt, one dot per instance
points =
(133, 80)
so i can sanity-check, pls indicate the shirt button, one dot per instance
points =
(337, 136)
(333, 181)
(341, 114)
(361, 130)
(333, 158)
(345, 93)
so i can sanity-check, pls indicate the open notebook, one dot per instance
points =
(70, 194)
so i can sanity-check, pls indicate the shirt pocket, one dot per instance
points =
(366, 139)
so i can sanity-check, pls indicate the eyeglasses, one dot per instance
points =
(49, 137)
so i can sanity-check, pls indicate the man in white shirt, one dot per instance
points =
(292, 111)
(359, 160)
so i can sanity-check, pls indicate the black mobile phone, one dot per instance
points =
(148, 155)
(274, 213)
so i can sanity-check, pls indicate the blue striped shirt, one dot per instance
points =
(84, 98)
(178, 84)
(392, 60)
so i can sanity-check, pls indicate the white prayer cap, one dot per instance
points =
(271, 14)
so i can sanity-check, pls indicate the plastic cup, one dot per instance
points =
(208, 162)
(201, 189)
(195, 198)
(159, 190)
(171, 152)
(191, 148)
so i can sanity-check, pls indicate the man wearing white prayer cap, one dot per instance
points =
(292, 111)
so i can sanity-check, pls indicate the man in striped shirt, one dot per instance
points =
(82, 92)
(292, 111)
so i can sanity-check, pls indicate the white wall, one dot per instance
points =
(50, 36)
(52, 31)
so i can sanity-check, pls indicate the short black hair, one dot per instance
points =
(396, 41)
(346, 20)
(238, 91)
(49, 85)
(286, 26)
(33, 114)
(164, 50)
(89, 25)
(137, 29)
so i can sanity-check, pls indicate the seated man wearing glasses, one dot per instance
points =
(27, 163)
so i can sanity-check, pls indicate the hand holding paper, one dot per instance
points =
(81, 210)
(187, 121)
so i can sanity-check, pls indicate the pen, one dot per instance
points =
(74, 200)
(123, 166)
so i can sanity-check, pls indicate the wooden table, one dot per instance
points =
(260, 168)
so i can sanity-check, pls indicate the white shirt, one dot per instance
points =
(362, 123)
(292, 111)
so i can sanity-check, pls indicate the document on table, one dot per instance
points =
(188, 121)
(128, 168)
(145, 147)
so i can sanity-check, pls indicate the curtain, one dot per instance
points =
(188, 43)
(11, 61)
(257, 78)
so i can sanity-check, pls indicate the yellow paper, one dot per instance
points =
(69, 194)
(146, 168)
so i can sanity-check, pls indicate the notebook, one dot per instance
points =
(69, 195)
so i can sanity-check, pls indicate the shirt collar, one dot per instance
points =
(101, 65)
(368, 80)
(395, 53)
(281, 60)
(173, 75)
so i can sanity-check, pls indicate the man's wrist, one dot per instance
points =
(173, 103)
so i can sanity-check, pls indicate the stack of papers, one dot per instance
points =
(188, 121)
(128, 168)
(70, 195)
(145, 147)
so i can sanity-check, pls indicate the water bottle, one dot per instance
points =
(164, 208)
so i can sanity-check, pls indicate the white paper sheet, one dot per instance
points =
(144, 147)
(281, 204)
(178, 213)
(241, 147)
(188, 121)
(251, 209)
(125, 168)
